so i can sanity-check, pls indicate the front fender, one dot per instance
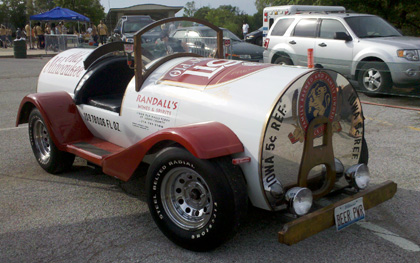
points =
(369, 54)
(283, 48)
(60, 115)
(203, 140)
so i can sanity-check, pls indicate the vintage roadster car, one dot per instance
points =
(213, 133)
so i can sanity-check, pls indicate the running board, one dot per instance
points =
(93, 150)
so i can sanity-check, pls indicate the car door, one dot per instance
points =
(333, 53)
(301, 39)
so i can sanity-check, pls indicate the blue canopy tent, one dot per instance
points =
(59, 13)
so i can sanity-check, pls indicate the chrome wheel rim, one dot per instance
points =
(186, 198)
(41, 141)
(372, 79)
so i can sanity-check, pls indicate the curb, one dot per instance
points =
(29, 56)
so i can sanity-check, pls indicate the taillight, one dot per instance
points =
(266, 42)
(265, 17)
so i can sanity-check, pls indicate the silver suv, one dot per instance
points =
(362, 47)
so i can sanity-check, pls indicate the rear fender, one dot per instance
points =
(203, 140)
(60, 114)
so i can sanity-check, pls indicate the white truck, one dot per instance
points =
(271, 13)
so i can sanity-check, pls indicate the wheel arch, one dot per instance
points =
(363, 61)
(280, 54)
(67, 126)
(203, 140)
(24, 111)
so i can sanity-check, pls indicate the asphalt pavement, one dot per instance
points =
(86, 216)
(30, 53)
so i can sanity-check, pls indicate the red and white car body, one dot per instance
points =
(291, 131)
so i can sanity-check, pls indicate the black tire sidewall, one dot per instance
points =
(58, 161)
(33, 117)
(221, 223)
(284, 60)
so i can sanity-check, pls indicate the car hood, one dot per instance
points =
(150, 35)
(243, 48)
(256, 32)
(129, 35)
(399, 42)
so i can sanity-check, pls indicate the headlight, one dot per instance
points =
(358, 176)
(245, 56)
(409, 54)
(130, 40)
(300, 200)
(250, 36)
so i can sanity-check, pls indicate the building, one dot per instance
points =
(155, 11)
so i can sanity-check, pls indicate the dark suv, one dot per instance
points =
(201, 40)
(127, 26)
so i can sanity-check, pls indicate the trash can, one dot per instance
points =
(19, 48)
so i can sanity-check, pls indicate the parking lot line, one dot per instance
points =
(414, 128)
(391, 237)
(14, 128)
(390, 124)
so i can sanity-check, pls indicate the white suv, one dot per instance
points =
(362, 47)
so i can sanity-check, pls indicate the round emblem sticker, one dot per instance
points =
(318, 97)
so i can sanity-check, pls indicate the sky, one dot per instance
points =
(246, 6)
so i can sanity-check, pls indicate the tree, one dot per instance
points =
(202, 12)
(30, 9)
(42, 6)
(260, 4)
(89, 8)
(189, 9)
(18, 13)
(227, 16)
(13, 13)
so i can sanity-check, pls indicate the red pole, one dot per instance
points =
(310, 58)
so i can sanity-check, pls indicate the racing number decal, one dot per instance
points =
(200, 72)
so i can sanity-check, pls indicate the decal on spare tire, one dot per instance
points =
(318, 97)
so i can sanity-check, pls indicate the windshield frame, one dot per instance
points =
(138, 68)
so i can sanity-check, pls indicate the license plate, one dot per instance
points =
(349, 213)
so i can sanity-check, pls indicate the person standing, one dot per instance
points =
(3, 36)
(9, 36)
(64, 29)
(35, 37)
(94, 34)
(54, 38)
(171, 28)
(40, 35)
(47, 29)
(29, 38)
(18, 33)
(245, 28)
(103, 32)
